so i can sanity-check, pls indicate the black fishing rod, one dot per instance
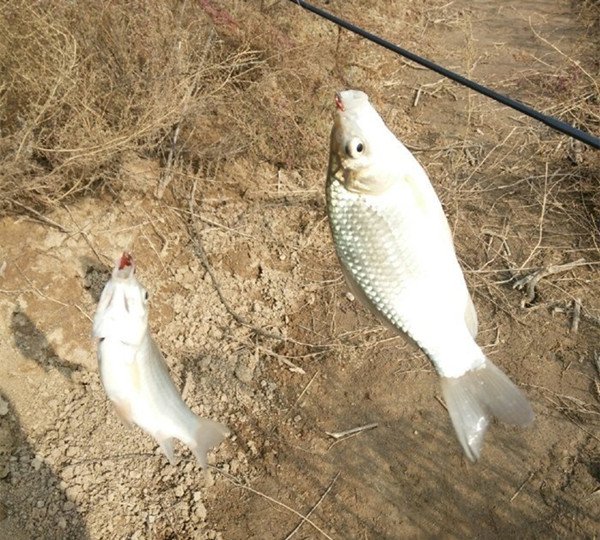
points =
(550, 121)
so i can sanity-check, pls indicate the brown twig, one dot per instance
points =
(297, 528)
(576, 315)
(596, 362)
(45, 296)
(311, 381)
(542, 216)
(569, 310)
(84, 235)
(530, 281)
(43, 218)
(441, 402)
(521, 487)
(167, 174)
(289, 364)
(236, 483)
(343, 434)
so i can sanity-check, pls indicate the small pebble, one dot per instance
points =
(201, 511)
(68, 473)
(243, 373)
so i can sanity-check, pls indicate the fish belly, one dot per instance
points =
(403, 262)
(160, 409)
(142, 391)
(117, 369)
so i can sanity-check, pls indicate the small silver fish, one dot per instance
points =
(134, 373)
(396, 251)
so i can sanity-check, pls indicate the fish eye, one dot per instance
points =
(355, 147)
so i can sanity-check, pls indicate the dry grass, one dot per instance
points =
(83, 84)
(181, 82)
(188, 86)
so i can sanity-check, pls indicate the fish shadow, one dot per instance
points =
(96, 275)
(32, 503)
(33, 344)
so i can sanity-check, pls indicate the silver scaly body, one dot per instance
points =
(397, 254)
(390, 255)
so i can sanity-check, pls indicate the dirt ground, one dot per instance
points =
(519, 197)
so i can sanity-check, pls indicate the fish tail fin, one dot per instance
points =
(207, 435)
(474, 398)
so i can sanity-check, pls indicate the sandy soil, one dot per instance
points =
(519, 197)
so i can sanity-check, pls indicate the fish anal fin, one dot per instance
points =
(166, 445)
(476, 397)
(471, 317)
(208, 434)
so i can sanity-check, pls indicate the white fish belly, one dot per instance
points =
(141, 388)
(116, 362)
(405, 265)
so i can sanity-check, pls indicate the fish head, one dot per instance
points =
(361, 145)
(122, 311)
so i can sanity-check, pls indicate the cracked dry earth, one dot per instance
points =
(70, 469)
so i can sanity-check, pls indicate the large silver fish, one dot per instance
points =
(134, 373)
(396, 252)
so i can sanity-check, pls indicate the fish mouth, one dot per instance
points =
(125, 266)
(339, 104)
(126, 260)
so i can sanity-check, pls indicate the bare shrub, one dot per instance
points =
(84, 83)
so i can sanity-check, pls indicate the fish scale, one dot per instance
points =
(372, 246)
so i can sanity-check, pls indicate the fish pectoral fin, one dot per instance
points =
(166, 445)
(124, 412)
(208, 435)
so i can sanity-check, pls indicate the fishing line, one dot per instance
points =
(550, 121)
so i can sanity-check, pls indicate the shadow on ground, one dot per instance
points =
(32, 502)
